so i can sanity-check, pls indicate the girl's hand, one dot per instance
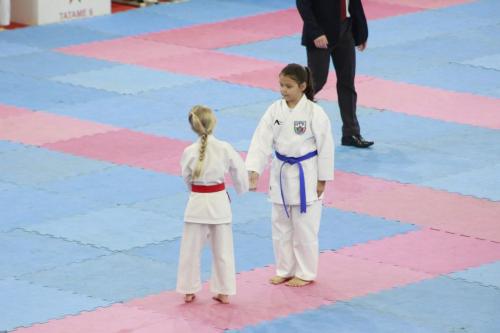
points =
(321, 187)
(253, 179)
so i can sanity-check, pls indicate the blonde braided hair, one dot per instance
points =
(202, 121)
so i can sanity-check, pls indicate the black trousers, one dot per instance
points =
(343, 55)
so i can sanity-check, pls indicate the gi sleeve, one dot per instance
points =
(322, 132)
(186, 170)
(261, 146)
(237, 170)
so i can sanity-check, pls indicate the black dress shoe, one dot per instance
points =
(356, 141)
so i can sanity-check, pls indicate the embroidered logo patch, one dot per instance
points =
(299, 126)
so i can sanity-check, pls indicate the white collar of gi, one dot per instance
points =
(300, 104)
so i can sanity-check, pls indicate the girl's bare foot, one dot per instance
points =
(278, 279)
(221, 298)
(188, 298)
(296, 282)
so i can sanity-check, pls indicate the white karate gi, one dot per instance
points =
(208, 216)
(4, 12)
(294, 133)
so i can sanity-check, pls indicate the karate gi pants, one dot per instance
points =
(295, 240)
(220, 236)
(4, 12)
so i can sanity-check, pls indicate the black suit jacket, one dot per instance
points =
(322, 17)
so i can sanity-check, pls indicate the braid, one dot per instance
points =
(202, 122)
(201, 157)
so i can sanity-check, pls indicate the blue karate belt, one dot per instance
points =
(292, 161)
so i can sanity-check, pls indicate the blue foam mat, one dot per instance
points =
(24, 205)
(173, 128)
(482, 182)
(212, 93)
(54, 64)
(133, 22)
(15, 49)
(340, 229)
(384, 63)
(24, 303)
(171, 205)
(229, 128)
(250, 207)
(454, 77)
(9, 146)
(52, 36)
(168, 252)
(25, 252)
(488, 274)
(342, 318)
(252, 111)
(405, 164)
(271, 4)
(126, 79)
(165, 252)
(110, 187)
(117, 277)
(438, 49)
(272, 50)
(201, 11)
(422, 25)
(428, 134)
(4, 186)
(485, 33)
(122, 111)
(488, 62)
(31, 165)
(38, 94)
(117, 228)
(444, 302)
(477, 10)
(250, 251)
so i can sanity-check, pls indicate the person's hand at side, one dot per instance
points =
(253, 179)
(321, 42)
(320, 189)
(361, 47)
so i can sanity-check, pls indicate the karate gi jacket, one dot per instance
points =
(294, 133)
(220, 159)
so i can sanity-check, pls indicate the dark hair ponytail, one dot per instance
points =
(309, 84)
(300, 74)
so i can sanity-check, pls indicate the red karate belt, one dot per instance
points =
(207, 188)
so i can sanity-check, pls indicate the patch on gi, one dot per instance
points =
(299, 126)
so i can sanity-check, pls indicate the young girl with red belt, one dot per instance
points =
(208, 213)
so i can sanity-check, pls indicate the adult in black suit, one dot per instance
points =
(333, 28)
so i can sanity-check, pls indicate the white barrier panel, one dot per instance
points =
(34, 12)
